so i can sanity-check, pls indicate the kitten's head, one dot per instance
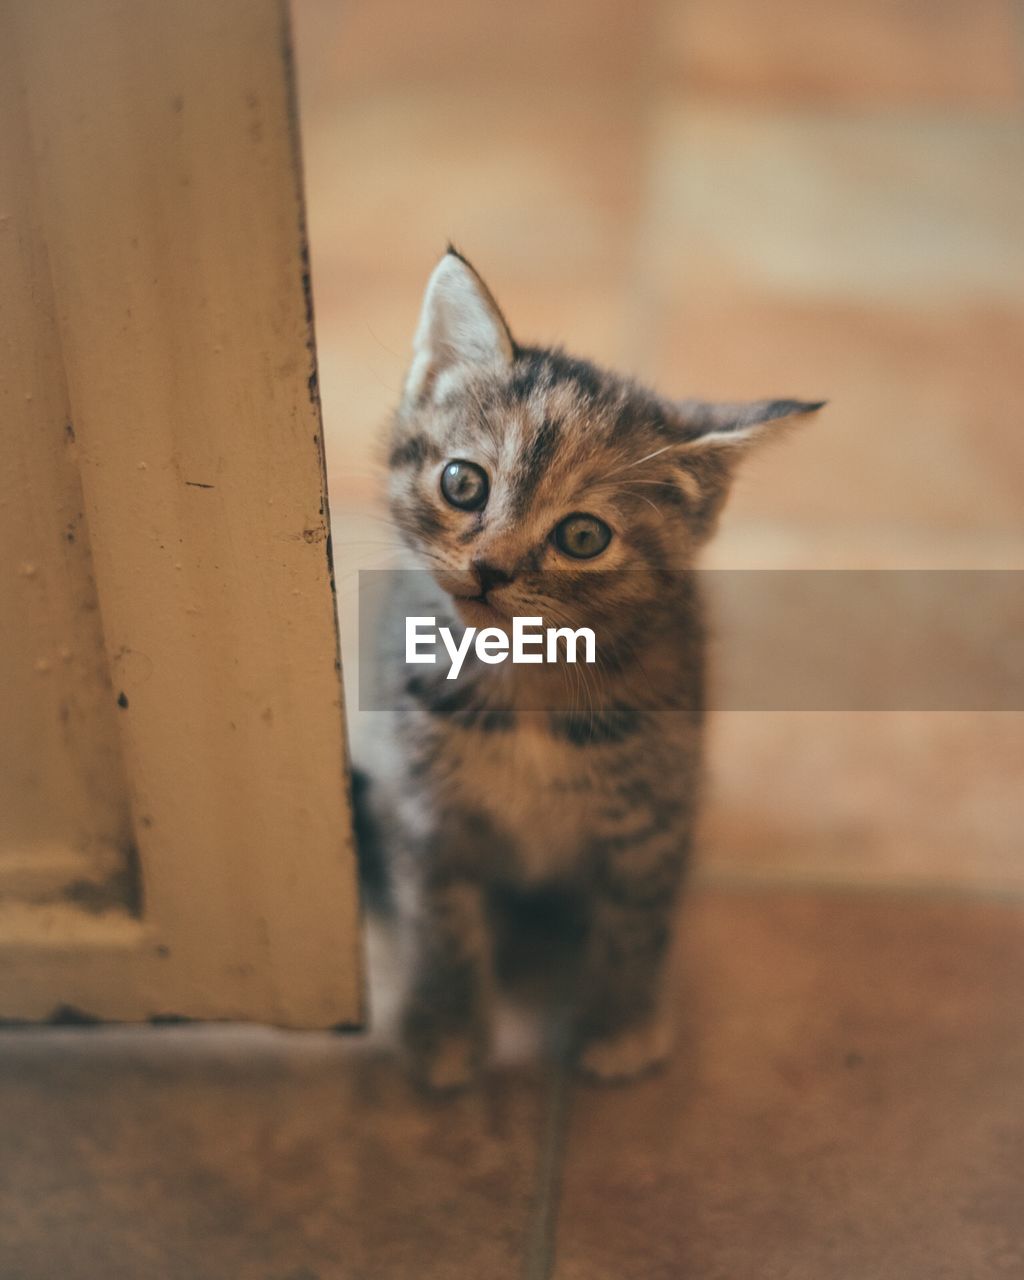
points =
(522, 476)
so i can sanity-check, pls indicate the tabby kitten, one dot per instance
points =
(531, 483)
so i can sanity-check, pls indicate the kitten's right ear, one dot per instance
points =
(460, 326)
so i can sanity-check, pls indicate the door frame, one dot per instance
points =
(158, 178)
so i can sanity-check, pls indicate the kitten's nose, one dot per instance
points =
(489, 575)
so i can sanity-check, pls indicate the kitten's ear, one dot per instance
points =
(460, 325)
(707, 425)
(714, 437)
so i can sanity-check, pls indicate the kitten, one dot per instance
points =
(531, 483)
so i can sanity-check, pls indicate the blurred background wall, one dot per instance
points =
(727, 198)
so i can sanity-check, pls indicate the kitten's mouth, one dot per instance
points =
(478, 609)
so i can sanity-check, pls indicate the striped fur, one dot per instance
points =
(516, 777)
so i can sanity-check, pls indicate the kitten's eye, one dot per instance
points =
(464, 485)
(582, 536)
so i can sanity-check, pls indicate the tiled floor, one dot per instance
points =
(735, 199)
(204, 1154)
(845, 1102)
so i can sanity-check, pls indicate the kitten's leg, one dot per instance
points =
(446, 1019)
(625, 1023)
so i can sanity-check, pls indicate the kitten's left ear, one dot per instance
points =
(714, 437)
(709, 425)
(460, 325)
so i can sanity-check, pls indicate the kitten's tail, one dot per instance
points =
(374, 880)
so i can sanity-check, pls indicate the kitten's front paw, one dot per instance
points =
(626, 1054)
(452, 1062)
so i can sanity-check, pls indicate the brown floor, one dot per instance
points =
(729, 198)
(845, 1102)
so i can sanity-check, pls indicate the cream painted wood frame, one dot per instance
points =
(175, 835)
